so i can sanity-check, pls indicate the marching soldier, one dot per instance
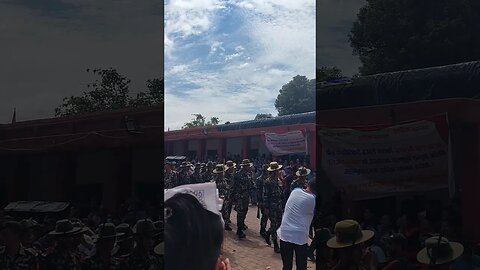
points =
(230, 167)
(171, 176)
(208, 175)
(196, 177)
(15, 255)
(62, 257)
(301, 181)
(273, 202)
(142, 256)
(259, 189)
(125, 242)
(241, 190)
(103, 259)
(183, 174)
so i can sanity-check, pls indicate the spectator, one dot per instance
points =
(439, 253)
(396, 251)
(293, 231)
(349, 242)
(193, 234)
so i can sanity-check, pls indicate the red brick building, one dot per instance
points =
(104, 157)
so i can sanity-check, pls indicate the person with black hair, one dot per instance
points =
(193, 235)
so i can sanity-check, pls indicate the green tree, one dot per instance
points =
(392, 35)
(297, 96)
(110, 92)
(200, 121)
(263, 116)
(328, 73)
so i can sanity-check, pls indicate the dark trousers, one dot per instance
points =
(287, 249)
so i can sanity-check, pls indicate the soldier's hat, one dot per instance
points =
(144, 227)
(198, 165)
(202, 165)
(107, 231)
(302, 171)
(274, 166)
(126, 230)
(183, 165)
(246, 163)
(64, 227)
(160, 249)
(230, 164)
(219, 168)
(210, 164)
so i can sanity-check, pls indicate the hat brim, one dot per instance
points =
(98, 237)
(333, 243)
(160, 249)
(230, 167)
(270, 169)
(72, 231)
(246, 164)
(215, 171)
(299, 174)
(457, 251)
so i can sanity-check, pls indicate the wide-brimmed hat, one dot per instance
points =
(210, 164)
(230, 164)
(107, 231)
(219, 168)
(202, 165)
(348, 233)
(64, 227)
(246, 162)
(274, 166)
(302, 171)
(438, 250)
(79, 224)
(126, 230)
(144, 226)
(159, 249)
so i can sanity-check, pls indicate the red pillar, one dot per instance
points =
(470, 173)
(221, 148)
(201, 144)
(245, 147)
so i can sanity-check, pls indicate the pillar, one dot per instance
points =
(245, 147)
(470, 173)
(201, 145)
(221, 149)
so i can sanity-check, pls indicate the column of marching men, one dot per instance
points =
(266, 185)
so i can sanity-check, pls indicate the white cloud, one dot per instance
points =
(281, 44)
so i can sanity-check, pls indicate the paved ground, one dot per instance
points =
(251, 253)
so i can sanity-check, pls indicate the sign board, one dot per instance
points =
(376, 162)
(286, 143)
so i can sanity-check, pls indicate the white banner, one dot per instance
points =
(368, 164)
(286, 143)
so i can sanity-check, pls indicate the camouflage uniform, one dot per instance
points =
(227, 203)
(171, 179)
(272, 200)
(96, 263)
(207, 176)
(196, 178)
(259, 190)
(241, 190)
(26, 259)
(140, 261)
(62, 261)
(183, 178)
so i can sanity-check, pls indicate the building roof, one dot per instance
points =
(451, 81)
(293, 119)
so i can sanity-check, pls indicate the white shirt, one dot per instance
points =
(297, 217)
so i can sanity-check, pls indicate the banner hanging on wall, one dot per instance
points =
(286, 143)
(377, 162)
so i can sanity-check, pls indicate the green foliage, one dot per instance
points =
(200, 121)
(392, 35)
(110, 92)
(328, 73)
(297, 96)
(263, 116)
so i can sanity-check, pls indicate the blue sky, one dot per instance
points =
(46, 47)
(230, 58)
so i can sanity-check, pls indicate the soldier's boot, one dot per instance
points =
(240, 234)
(267, 238)
(276, 247)
(227, 226)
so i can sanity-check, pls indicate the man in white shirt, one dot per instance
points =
(293, 231)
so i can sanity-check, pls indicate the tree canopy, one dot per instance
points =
(328, 73)
(110, 92)
(200, 121)
(297, 96)
(393, 35)
(263, 116)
